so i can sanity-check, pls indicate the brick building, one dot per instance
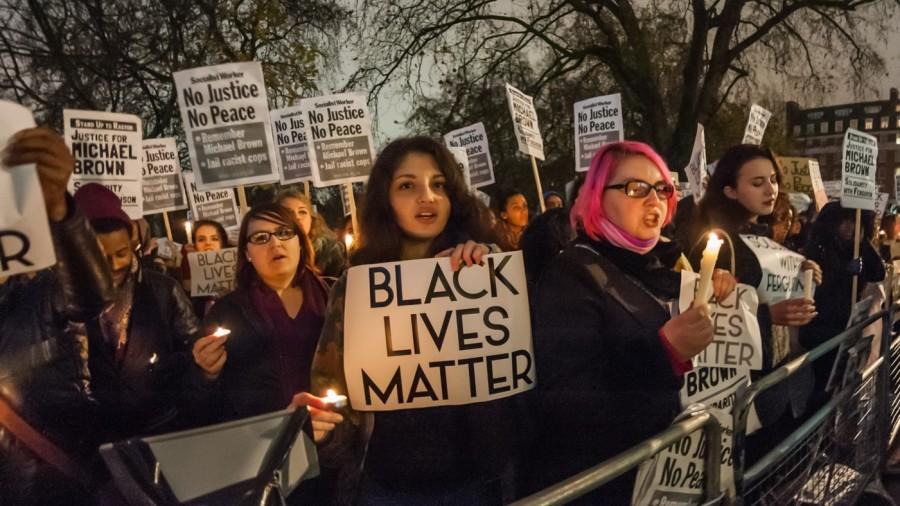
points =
(818, 132)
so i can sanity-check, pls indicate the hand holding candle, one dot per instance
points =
(808, 284)
(336, 401)
(707, 266)
(209, 352)
(220, 332)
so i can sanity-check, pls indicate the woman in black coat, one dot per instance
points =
(609, 354)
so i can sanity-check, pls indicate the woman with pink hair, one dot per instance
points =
(609, 353)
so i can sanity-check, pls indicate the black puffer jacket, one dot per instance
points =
(40, 366)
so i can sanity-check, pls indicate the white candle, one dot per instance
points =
(187, 230)
(808, 284)
(707, 266)
(348, 240)
(336, 401)
(220, 332)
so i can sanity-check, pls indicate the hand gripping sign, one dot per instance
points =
(417, 334)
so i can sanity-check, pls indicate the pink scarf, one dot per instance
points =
(622, 239)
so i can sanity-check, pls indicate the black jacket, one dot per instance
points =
(40, 366)
(138, 398)
(605, 380)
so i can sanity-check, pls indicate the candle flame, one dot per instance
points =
(714, 240)
(220, 332)
(331, 393)
(348, 240)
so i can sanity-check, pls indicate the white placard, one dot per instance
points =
(473, 139)
(215, 205)
(525, 123)
(598, 121)
(781, 279)
(832, 189)
(225, 115)
(858, 166)
(698, 177)
(881, 204)
(25, 242)
(161, 182)
(339, 132)
(736, 341)
(756, 125)
(107, 147)
(815, 178)
(293, 150)
(212, 272)
(418, 335)
(462, 160)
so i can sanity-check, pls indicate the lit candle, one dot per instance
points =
(807, 284)
(220, 332)
(187, 230)
(348, 240)
(707, 265)
(336, 401)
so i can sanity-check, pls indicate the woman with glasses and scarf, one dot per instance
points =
(609, 354)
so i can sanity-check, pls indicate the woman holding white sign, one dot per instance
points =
(610, 354)
(416, 207)
(743, 188)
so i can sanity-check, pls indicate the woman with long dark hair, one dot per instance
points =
(416, 206)
(330, 254)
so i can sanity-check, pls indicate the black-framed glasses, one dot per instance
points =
(263, 237)
(635, 188)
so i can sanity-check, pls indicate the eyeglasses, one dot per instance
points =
(263, 237)
(635, 188)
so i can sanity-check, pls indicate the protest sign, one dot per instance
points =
(25, 242)
(212, 272)
(339, 132)
(107, 150)
(696, 172)
(736, 341)
(820, 195)
(215, 205)
(795, 172)
(897, 185)
(525, 122)
(598, 121)
(756, 125)
(781, 279)
(225, 115)
(345, 199)
(881, 204)
(858, 190)
(832, 189)
(161, 181)
(293, 150)
(473, 139)
(419, 335)
(462, 161)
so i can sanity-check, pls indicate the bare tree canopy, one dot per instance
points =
(676, 62)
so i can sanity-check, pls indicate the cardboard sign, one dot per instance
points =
(339, 130)
(858, 165)
(598, 121)
(462, 161)
(473, 139)
(737, 342)
(212, 272)
(215, 205)
(696, 172)
(107, 147)
(161, 182)
(525, 122)
(417, 334)
(293, 151)
(25, 242)
(756, 125)
(820, 195)
(226, 123)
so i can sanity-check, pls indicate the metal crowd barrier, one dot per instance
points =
(828, 460)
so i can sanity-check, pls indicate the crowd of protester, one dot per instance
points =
(133, 355)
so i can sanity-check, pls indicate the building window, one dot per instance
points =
(885, 121)
(839, 126)
(810, 128)
(797, 130)
(869, 123)
(823, 127)
(854, 123)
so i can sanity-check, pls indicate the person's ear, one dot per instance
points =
(730, 192)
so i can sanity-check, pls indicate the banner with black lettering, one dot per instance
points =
(858, 166)
(107, 147)
(473, 139)
(781, 279)
(598, 121)
(756, 125)
(417, 334)
(696, 170)
(162, 187)
(339, 132)
(525, 123)
(462, 161)
(293, 152)
(25, 242)
(225, 115)
(212, 272)
(215, 205)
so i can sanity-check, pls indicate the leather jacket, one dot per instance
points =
(40, 362)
